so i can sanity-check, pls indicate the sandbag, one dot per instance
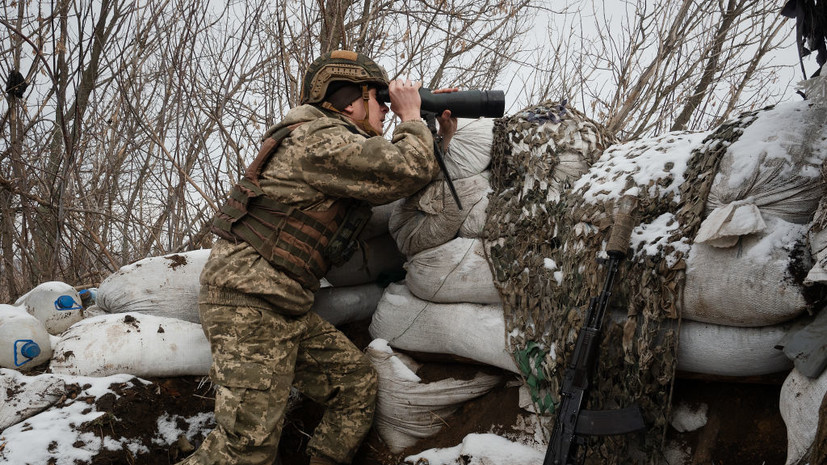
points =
(473, 331)
(165, 286)
(431, 218)
(474, 223)
(469, 152)
(408, 410)
(799, 404)
(377, 260)
(749, 284)
(456, 271)
(772, 169)
(342, 305)
(133, 343)
(731, 351)
(56, 304)
(23, 396)
(24, 341)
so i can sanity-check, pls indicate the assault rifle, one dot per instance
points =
(573, 422)
(463, 104)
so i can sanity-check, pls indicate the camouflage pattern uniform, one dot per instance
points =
(263, 337)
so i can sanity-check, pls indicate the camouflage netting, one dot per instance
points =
(543, 236)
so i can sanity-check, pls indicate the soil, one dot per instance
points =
(744, 425)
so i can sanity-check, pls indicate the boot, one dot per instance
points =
(321, 461)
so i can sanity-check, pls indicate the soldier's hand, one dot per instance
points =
(405, 99)
(447, 124)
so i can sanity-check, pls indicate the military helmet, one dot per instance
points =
(339, 65)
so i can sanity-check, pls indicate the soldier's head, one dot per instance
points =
(346, 82)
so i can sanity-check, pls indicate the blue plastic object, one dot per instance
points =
(66, 302)
(27, 348)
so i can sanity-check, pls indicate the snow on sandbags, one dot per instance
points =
(774, 168)
(23, 396)
(456, 271)
(378, 259)
(342, 305)
(57, 305)
(748, 285)
(801, 398)
(164, 286)
(477, 332)
(431, 218)
(656, 166)
(24, 341)
(473, 331)
(133, 343)
(406, 408)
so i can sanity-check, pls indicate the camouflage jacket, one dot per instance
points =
(325, 158)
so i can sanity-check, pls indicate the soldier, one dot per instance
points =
(299, 208)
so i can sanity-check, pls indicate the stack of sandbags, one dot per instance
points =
(449, 303)
(743, 285)
(745, 271)
(744, 267)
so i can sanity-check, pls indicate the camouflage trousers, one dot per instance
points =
(258, 354)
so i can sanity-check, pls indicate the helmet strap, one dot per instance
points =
(363, 124)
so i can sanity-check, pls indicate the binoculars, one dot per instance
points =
(463, 104)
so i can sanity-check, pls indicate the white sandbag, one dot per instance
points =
(133, 343)
(469, 152)
(23, 396)
(749, 284)
(456, 271)
(431, 218)
(773, 168)
(162, 286)
(342, 305)
(408, 410)
(474, 223)
(24, 341)
(57, 305)
(801, 398)
(377, 259)
(473, 331)
(731, 351)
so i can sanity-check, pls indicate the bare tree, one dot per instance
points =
(139, 116)
(644, 67)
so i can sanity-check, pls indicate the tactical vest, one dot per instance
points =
(301, 243)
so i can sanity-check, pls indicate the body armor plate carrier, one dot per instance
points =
(301, 243)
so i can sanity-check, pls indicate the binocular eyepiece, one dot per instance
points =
(463, 104)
